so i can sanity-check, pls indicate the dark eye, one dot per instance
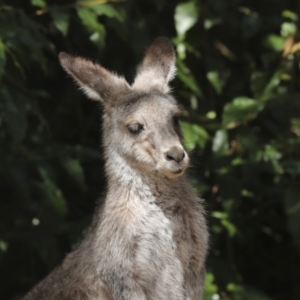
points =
(135, 128)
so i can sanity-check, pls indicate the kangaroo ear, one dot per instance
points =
(97, 82)
(158, 67)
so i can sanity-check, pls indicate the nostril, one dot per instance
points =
(175, 153)
(169, 157)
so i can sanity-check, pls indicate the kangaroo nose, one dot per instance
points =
(175, 153)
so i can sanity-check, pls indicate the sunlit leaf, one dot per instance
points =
(193, 135)
(230, 227)
(110, 11)
(288, 29)
(274, 42)
(210, 288)
(290, 15)
(220, 141)
(39, 3)
(223, 217)
(237, 161)
(241, 110)
(219, 215)
(236, 289)
(271, 87)
(186, 15)
(90, 20)
(211, 115)
(270, 154)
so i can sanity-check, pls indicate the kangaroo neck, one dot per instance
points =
(123, 177)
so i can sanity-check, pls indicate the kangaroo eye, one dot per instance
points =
(135, 128)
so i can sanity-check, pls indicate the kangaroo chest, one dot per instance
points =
(170, 235)
(187, 223)
(157, 240)
(187, 236)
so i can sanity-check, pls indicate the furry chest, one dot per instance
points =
(155, 244)
(156, 261)
(189, 236)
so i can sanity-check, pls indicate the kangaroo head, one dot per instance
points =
(140, 121)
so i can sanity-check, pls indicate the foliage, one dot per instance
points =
(238, 79)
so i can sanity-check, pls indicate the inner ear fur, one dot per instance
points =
(158, 67)
(96, 82)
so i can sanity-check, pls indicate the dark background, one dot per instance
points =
(238, 79)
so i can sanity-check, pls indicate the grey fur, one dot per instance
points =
(149, 240)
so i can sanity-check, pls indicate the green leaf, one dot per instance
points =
(240, 110)
(210, 288)
(211, 115)
(274, 42)
(2, 57)
(223, 217)
(110, 11)
(290, 15)
(209, 23)
(271, 154)
(186, 16)
(216, 81)
(220, 142)
(271, 88)
(193, 135)
(246, 193)
(89, 19)
(52, 193)
(39, 3)
(288, 29)
(266, 87)
(60, 19)
(3, 246)
(219, 215)
(185, 75)
(230, 227)
(73, 167)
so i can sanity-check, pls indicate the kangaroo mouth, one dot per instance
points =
(179, 171)
(172, 173)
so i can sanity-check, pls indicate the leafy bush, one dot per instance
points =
(238, 79)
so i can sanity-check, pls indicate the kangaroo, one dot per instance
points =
(149, 239)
